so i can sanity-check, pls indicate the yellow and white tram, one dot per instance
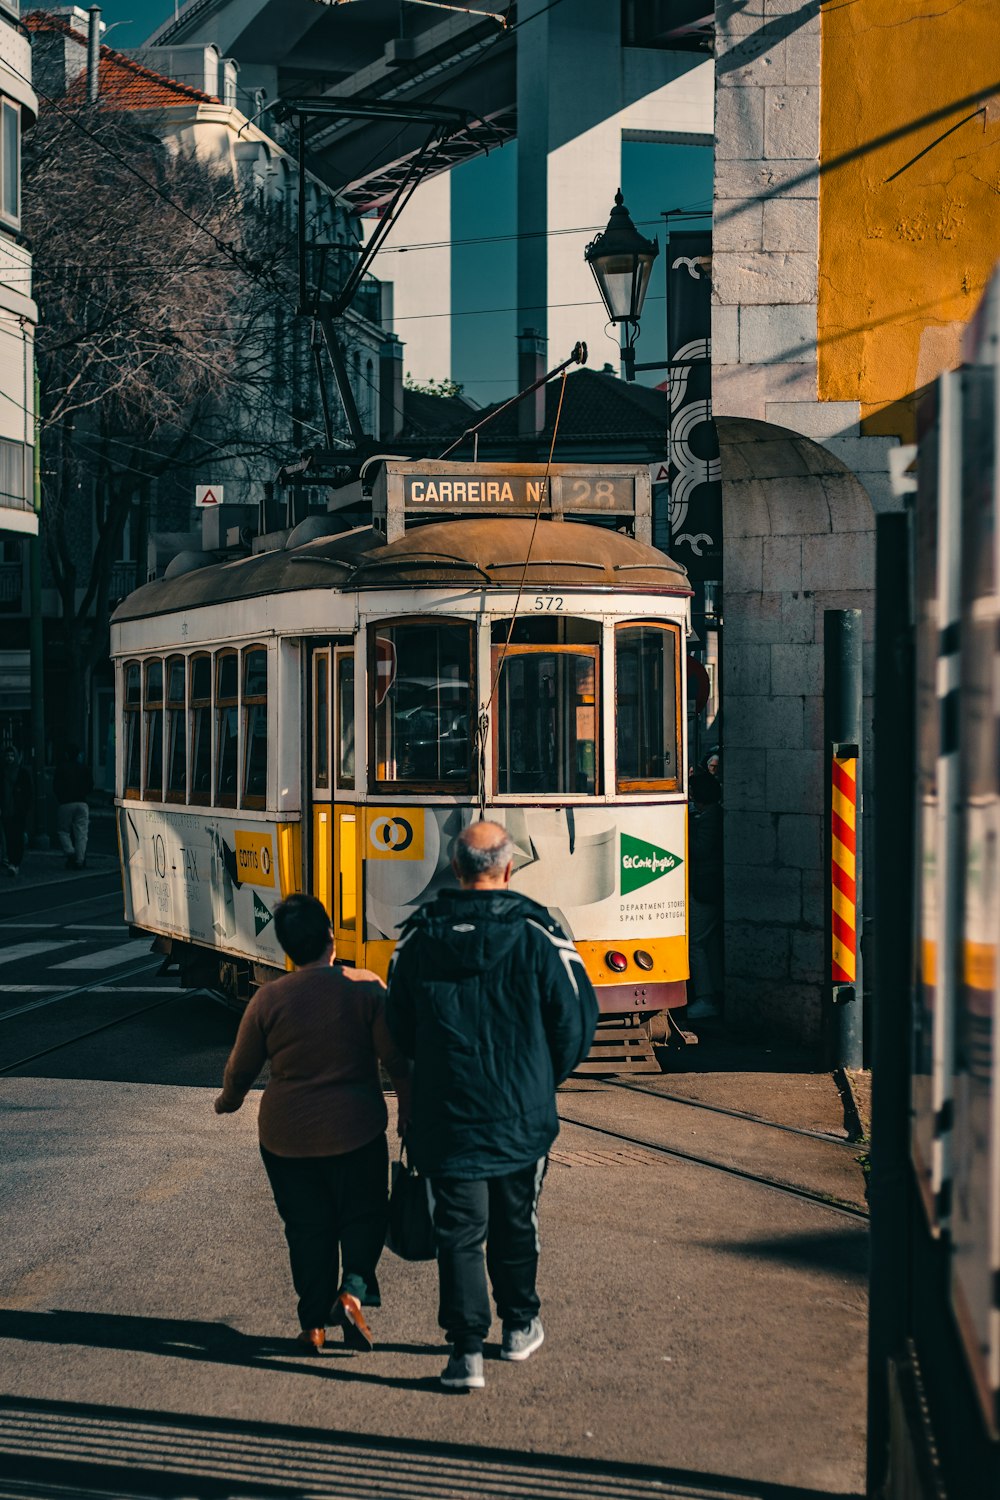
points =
(325, 715)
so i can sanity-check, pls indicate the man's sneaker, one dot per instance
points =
(463, 1372)
(518, 1343)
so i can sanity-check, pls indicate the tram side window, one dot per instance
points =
(176, 735)
(345, 720)
(646, 717)
(547, 719)
(226, 727)
(254, 726)
(200, 702)
(421, 675)
(133, 705)
(152, 786)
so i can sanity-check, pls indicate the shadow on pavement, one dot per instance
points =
(721, 1051)
(182, 1044)
(182, 1338)
(84, 1450)
(845, 1251)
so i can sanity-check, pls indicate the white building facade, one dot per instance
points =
(18, 313)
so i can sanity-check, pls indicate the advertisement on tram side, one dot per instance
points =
(212, 879)
(603, 872)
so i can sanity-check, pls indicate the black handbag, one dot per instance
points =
(411, 1229)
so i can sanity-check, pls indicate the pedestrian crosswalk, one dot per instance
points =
(20, 951)
(119, 954)
(44, 950)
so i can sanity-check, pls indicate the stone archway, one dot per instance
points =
(799, 538)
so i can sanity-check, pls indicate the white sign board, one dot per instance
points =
(659, 473)
(206, 496)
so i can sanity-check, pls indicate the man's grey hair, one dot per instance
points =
(470, 863)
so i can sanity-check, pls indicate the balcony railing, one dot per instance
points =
(11, 583)
(122, 580)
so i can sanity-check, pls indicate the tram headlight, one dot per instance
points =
(643, 959)
(616, 961)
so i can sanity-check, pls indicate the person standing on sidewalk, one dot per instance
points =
(491, 1000)
(72, 785)
(322, 1119)
(15, 802)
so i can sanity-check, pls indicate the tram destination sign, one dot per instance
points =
(440, 490)
(519, 492)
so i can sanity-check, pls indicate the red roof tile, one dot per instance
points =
(124, 83)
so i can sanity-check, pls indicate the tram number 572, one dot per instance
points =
(549, 601)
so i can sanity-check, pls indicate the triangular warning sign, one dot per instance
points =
(659, 473)
(261, 915)
(643, 863)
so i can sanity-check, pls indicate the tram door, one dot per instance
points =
(334, 812)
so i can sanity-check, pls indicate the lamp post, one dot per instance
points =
(622, 261)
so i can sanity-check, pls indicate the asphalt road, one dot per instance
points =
(705, 1330)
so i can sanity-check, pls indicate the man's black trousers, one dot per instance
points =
(332, 1207)
(502, 1213)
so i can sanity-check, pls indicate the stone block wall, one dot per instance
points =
(766, 233)
(799, 539)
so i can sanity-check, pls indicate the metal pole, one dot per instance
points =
(93, 54)
(36, 638)
(842, 735)
(890, 1181)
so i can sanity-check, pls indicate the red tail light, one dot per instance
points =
(616, 961)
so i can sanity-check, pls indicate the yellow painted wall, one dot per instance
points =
(904, 258)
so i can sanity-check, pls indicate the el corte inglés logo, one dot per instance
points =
(643, 863)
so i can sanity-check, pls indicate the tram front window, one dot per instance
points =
(646, 716)
(421, 675)
(547, 721)
(176, 744)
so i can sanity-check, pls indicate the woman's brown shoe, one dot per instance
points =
(357, 1334)
(312, 1339)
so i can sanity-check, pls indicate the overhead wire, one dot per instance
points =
(483, 723)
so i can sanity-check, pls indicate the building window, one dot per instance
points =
(201, 728)
(10, 162)
(133, 706)
(647, 718)
(420, 675)
(176, 731)
(254, 726)
(226, 727)
(13, 473)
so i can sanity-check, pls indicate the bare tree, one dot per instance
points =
(161, 291)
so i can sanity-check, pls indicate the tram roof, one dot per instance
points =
(477, 553)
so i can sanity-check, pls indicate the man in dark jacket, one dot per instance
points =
(491, 1000)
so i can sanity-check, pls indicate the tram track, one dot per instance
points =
(736, 1114)
(821, 1200)
(97, 984)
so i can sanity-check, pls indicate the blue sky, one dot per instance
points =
(133, 20)
(654, 178)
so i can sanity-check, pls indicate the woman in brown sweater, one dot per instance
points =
(322, 1118)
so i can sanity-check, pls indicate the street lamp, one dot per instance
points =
(622, 261)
